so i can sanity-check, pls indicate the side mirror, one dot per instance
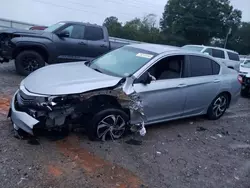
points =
(63, 34)
(146, 78)
(206, 53)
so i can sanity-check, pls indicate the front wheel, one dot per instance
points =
(218, 107)
(109, 123)
(28, 61)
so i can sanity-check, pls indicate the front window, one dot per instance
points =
(54, 27)
(193, 48)
(122, 62)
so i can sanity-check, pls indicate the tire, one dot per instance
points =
(28, 61)
(244, 93)
(218, 107)
(96, 130)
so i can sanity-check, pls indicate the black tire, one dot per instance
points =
(212, 113)
(244, 93)
(28, 61)
(94, 125)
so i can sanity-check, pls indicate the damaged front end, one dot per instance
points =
(30, 111)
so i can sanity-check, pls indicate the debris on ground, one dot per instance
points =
(200, 129)
(236, 177)
(21, 180)
(158, 153)
(223, 132)
(219, 135)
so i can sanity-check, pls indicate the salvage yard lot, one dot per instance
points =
(192, 153)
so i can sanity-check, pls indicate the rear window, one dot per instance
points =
(216, 68)
(218, 53)
(93, 33)
(233, 56)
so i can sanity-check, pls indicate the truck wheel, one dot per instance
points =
(244, 92)
(28, 61)
(108, 123)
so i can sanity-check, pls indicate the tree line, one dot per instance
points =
(206, 22)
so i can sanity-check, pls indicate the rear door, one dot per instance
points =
(97, 44)
(73, 47)
(203, 84)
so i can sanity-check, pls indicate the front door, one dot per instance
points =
(163, 98)
(73, 47)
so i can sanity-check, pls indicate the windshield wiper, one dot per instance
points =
(98, 70)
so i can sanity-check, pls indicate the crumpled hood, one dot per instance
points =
(67, 78)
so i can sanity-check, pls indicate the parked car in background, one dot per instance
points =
(230, 58)
(38, 28)
(163, 82)
(245, 76)
(62, 42)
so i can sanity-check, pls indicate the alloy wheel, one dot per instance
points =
(30, 63)
(220, 106)
(112, 125)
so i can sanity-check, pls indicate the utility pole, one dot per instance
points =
(229, 32)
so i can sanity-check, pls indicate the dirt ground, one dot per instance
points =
(187, 153)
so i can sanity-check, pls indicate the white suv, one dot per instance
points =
(230, 58)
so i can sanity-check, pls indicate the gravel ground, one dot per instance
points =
(191, 153)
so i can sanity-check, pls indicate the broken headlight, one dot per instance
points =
(56, 99)
(63, 100)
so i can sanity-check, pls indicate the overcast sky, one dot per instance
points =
(47, 12)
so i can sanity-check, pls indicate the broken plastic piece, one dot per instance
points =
(143, 131)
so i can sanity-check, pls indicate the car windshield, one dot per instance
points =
(54, 27)
(246, 64)
(122, 62)
(193, 48)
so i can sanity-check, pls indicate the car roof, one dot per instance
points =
(80, 23)
(160, 49)
(169, 50)
(213, 47)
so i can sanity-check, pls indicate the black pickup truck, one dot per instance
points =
(61, 42)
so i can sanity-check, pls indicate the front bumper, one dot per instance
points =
(20, 119)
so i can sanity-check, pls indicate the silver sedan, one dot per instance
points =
(138, 85)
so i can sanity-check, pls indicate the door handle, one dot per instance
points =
(82, 43)
(216, 81)
(182, 85)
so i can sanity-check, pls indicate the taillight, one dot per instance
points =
(240, 79)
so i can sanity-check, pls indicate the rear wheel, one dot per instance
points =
(218, 107)
(109, 123)
(28, 61)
